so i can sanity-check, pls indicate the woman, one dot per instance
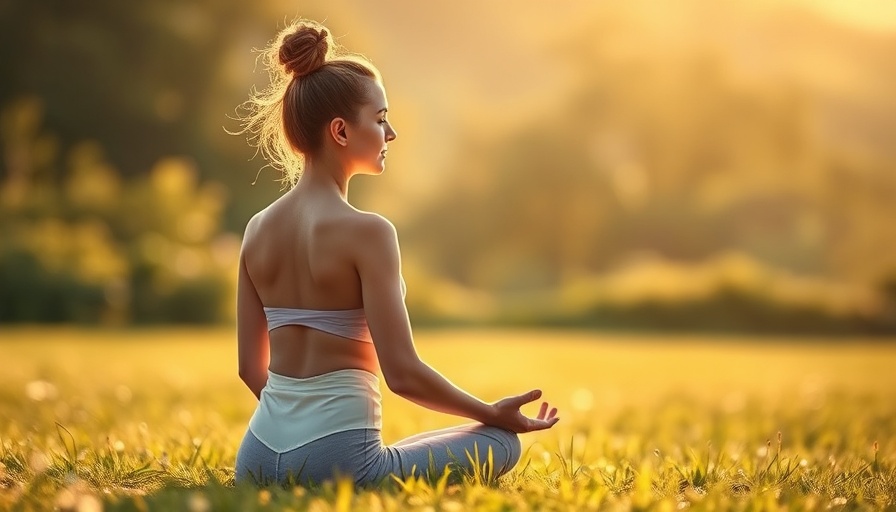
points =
(320, 301)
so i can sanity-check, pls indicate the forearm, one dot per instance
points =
(427, 387)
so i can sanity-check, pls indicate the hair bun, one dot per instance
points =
(305, 50)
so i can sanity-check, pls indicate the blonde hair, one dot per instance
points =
(312, 81)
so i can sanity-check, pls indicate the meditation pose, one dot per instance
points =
(320, 305)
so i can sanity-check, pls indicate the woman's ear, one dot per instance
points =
(337, 131)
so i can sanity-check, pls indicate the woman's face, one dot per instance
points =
(369, 135)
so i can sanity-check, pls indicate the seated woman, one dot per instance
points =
(320, 304)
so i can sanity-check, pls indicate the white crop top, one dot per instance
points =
(347, 323)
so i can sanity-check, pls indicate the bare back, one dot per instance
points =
(298, 253)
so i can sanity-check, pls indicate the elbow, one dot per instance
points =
(245, 374)
(253, 380)
(246, 379)
(402, 387)
(404, 382)
(248, 369)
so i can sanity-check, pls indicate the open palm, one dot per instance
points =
(509, 416)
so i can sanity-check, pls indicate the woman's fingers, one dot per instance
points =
(546, 417)
(550, 419)
(543, 410)
(521, 400)
(538, 424)
(543, 413)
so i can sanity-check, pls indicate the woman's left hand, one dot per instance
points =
(507, 414)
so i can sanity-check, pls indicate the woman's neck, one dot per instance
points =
(326, 177)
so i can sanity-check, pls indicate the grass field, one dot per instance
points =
(151, 420)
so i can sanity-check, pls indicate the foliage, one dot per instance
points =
(83, 244)
(136, 79)
(673, 150)
(164, 437)
(670, 141)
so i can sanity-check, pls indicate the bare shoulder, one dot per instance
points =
(373, 226)
(252, 227)
(372, 235)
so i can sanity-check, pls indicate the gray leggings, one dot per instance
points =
(361, 455)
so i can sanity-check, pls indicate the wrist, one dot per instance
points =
(488, 414)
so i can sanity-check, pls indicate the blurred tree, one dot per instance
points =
(669, 152)
(92, 247)
(887, 288)
(131, 76)
(674, 142)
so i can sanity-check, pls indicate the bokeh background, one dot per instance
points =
(688, 165)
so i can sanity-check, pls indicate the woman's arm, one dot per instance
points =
(251, 333)
(379, 267)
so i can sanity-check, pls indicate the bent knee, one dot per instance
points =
(510, 441)
(516, 448)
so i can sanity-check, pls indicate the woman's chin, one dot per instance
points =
(373, 170)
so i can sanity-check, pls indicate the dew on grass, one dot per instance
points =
(619, 439)
(70, 478)
(38, 462)
(198, 503)
(40, 390)
(66, 500)
(451, 506)
(694, 494)
(89, 503)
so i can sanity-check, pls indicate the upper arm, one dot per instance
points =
(378, 264)
(251, 323)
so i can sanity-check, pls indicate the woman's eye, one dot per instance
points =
(383, 121)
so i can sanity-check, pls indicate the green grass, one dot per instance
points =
(151, 420)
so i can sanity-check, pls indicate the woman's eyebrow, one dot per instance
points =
(382, 110)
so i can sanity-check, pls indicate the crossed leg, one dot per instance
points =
(463, 448)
